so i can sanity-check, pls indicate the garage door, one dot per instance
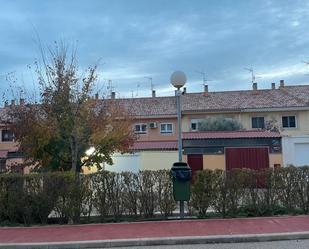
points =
(195, 162)
(301, 154)
(252, 158)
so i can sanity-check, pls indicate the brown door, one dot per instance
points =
(252, 158)
(195, 162)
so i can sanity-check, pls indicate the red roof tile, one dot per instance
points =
(3, 153)
(230, 134)
(155, 145)
(13, 149)
(287, 97)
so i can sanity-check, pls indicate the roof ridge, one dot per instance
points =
(240, 131)
(161, 141)
(214, 92)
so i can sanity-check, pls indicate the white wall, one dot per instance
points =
(144, 160)
(124, 162)
(296, 150)
(156, 160)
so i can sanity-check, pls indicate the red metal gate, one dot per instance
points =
(195, 162)
(251, 158)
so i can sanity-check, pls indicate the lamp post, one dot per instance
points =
(178, 80)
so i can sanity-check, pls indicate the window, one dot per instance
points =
(141, 128)
(7, 136)
(166, 128)
(289, 122)
(258, 122)
(195, 124)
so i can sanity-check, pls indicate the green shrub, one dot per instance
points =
(204, 190)
(219, 124)
(286, 180)
(130, 195)
(164, 189)
(147, 194)
(12, 198)
(69, 197)
(302, 188)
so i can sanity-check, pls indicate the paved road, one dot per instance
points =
(294, 244)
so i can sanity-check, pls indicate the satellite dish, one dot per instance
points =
(178, 79)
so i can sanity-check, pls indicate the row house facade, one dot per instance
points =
(285, 107)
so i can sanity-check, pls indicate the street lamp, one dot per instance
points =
(178, 80)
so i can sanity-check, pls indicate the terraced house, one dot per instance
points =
(285, 108)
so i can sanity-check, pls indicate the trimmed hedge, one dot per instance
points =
(243, 192)
(68, 197)
(71, 198)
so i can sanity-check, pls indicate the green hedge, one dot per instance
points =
(251, 193)
(67, 197)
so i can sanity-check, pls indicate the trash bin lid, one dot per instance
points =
(180, 166)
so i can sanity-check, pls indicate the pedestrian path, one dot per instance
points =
(153, 230)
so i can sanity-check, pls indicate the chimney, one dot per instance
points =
(273, 86)
(205, 90)
(22, 101)
(184, 90)
(254, 86)
(281, 84)
(96, 96)
(13, 102)
(113, 96)
(153, 93)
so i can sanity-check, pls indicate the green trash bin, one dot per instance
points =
(181, 174)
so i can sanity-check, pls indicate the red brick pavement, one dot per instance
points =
(154, 229)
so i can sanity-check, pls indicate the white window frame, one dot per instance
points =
(140, 131)
(195, 121)
(296, 123)
(166, 131)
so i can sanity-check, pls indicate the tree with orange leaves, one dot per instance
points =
(55, 133)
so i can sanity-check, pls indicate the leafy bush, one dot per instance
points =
(69, 197)
(164, 188)
(219, 124)
(252, 193)
(204, 190)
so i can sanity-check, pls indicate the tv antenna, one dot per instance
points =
(151, 84)
(205, 80)
(110, 86)
(253, 76)
(307, 65)
(134, 94)
(137, 88)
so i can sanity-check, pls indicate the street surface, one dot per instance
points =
(288, 244)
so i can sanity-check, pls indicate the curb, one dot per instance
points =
(159, 241)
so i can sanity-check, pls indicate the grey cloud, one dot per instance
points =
(152, 38)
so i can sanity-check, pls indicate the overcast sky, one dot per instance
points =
(134, 39)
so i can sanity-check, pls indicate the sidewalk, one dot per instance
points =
(153, 233)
